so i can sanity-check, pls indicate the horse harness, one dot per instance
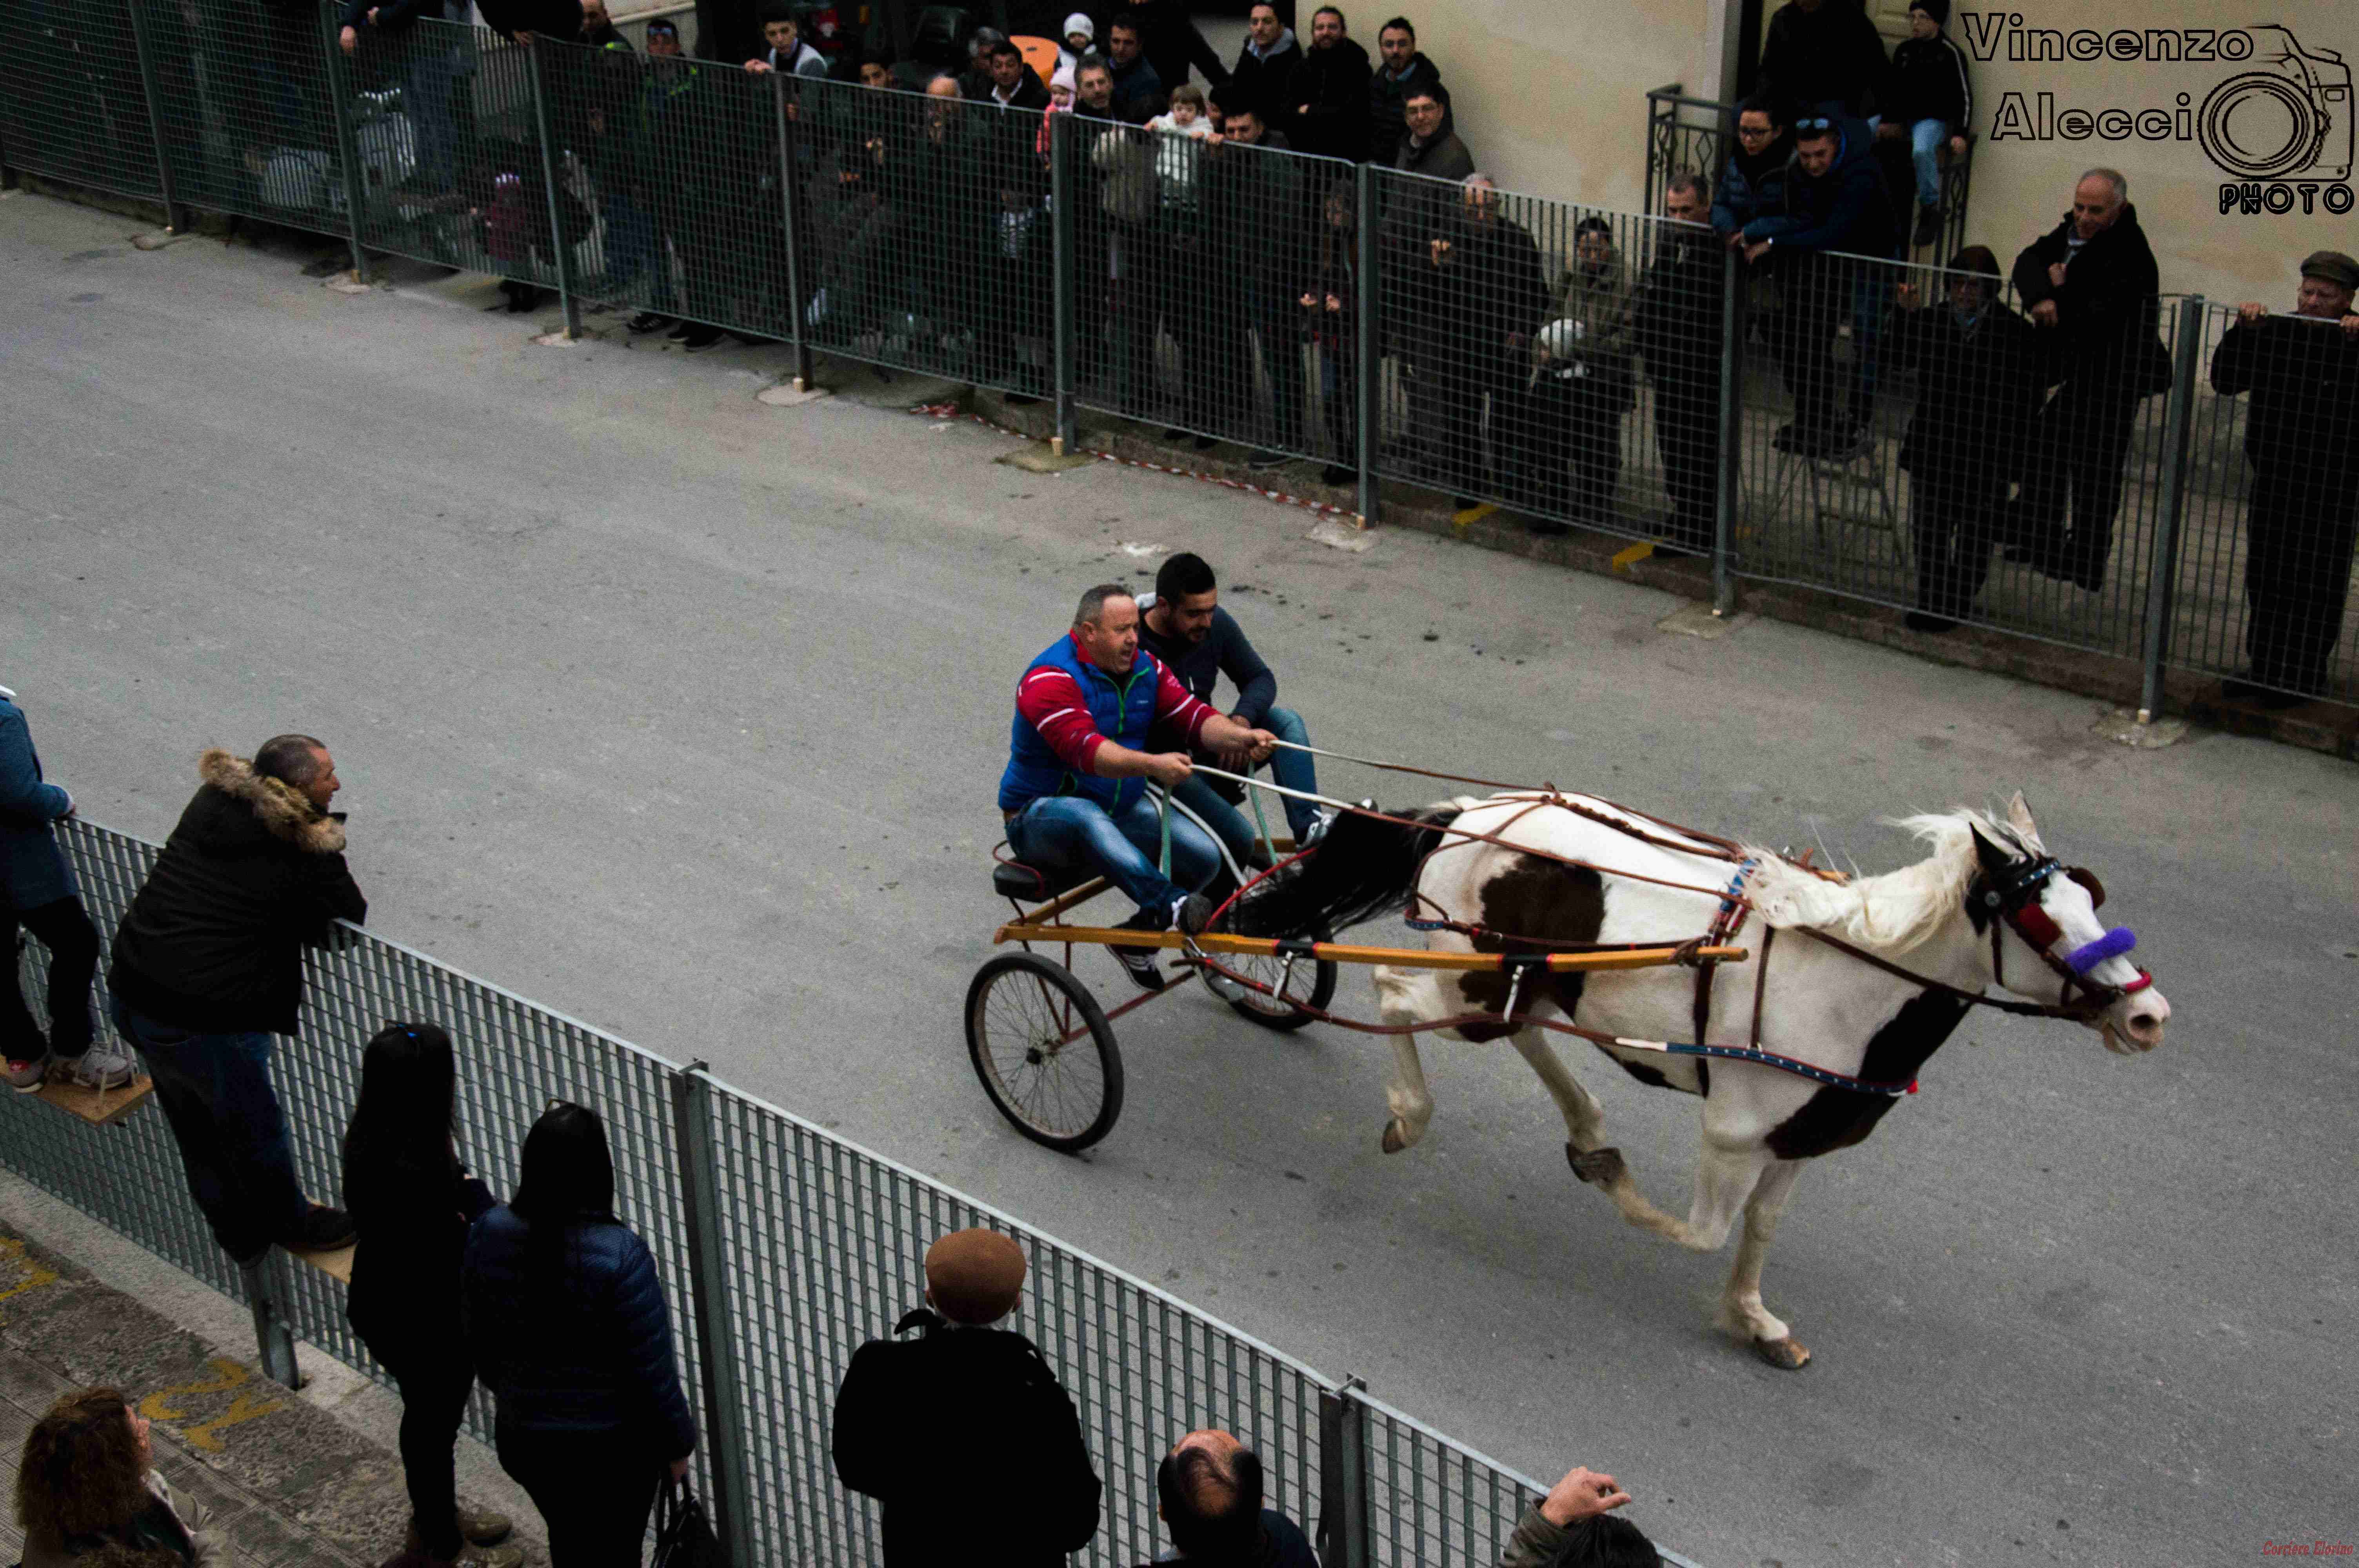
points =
(2011, 902)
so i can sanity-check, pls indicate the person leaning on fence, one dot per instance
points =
(1430, 148)
(1327, 99)
(1929, 101)
(1674, 326)
(412, 1201)
(2091, 282)
(1182, 623)
(2301, 436)
(1752, 181)
(87, 1485)
(1835, 208)
(1569, 435)
(1263, 74)
(37, 894)
(1980, 373)
(565, 1317)
(1210, 1492)
(783, 32)
(927, 1425)
(208, 967)
(1139, 92)
(1575, 1527)
(598, 30)
(1013, 83)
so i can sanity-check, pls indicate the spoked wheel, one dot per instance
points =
(1044, 1051)
(1310, 983)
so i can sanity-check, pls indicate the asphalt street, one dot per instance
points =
(682, 714)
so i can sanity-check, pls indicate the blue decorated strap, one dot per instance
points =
(2112, 945)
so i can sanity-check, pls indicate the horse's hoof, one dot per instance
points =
(1787, 1355)
(1392, 1143)
(1599, 1167)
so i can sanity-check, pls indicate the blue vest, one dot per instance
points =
(1121, 710)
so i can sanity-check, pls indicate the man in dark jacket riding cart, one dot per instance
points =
(1074, 795)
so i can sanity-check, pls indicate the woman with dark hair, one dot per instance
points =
(88, 1483)
(411, 1201)
(567, 1320)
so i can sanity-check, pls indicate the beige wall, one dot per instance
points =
(1551, 96)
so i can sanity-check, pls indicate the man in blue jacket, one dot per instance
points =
(1836, 208)
(36, 893)
(1074, 794)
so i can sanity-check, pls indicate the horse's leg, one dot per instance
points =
(1741, 1312)
(1584, 1118)
(1403, 996)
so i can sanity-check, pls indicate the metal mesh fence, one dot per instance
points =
(246, 102)
(2262, 593)
(803, 1247)
(1559, 361)
(72, 105)
(924, 232)
(1909, 437)
(1202, 273)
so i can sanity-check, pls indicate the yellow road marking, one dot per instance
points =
(35, 1275)
(245, 1408)
(1624, 560)
(228, 1374)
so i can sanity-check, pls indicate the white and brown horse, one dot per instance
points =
(1875, 974)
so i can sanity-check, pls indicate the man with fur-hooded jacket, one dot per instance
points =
(208, 968)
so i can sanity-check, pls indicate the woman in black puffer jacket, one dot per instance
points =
(566, 1318)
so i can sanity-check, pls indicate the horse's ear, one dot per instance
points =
(2018, 816)
(1995, 858)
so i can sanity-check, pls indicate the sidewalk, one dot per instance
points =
(292, 1485)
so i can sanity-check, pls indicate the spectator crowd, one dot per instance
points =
(1220, 287)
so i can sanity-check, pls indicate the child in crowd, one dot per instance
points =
(1081, 38)
(1930, 103)
(1175, 160)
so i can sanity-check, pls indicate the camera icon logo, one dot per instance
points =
(2288, 118)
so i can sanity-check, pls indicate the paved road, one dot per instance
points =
(681, 713)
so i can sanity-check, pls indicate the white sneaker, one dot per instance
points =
(100, 1068)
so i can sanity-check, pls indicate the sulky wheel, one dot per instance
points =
(1044, 1051)
(1311, 983)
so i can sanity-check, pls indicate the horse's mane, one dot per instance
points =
(1898, 911)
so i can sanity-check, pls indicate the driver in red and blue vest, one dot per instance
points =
(1074, 795)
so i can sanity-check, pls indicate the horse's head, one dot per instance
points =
(2047, 944)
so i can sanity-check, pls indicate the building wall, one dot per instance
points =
(1552, 97)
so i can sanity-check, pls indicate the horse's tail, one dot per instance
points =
(1362, 868)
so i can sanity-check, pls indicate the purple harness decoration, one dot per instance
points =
(2112, 945)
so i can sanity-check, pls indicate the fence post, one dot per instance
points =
(1731, 432)
(340, 105)
(716, 1344)
(274, 1341)
(548, 166)
(145, 57)
(1368, 364)
(794, 254)
(1343, 1472)
(1066, 225)
(2177, 444)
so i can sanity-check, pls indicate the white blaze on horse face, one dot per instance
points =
(2135, 1022)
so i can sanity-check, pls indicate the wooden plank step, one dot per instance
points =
(100, 1107)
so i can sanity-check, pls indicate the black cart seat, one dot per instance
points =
(1034, 884)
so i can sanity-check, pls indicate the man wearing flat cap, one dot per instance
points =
(962, 1432)
(2301, 436)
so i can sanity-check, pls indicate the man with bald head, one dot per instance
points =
(2089, 284)
(1210, 1487)
(925, 1424)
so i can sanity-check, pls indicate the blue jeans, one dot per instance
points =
(1066, 831)
(1924, 139)
(215, 1091)
(1292, 770)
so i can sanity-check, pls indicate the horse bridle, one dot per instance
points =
(2011, 896)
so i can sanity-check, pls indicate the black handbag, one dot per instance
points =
(684, 1536)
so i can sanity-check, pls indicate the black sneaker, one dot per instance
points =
(645, 321)
(1925, 621)
(1191, 912)
(321, 1230)
(1338, 473)
(1265, 459)
(1144, 965)
(1929, 226)
(700, 340)
(1206, 443)
(681, 330)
